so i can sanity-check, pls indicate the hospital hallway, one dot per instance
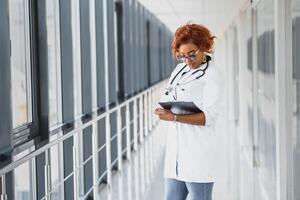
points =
(81, 82)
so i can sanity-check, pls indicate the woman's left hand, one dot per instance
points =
(164, 114)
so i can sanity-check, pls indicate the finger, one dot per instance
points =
(156, 110)
(163, 111)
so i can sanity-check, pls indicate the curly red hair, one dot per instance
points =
(193, 33)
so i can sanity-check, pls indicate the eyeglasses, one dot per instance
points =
(191, 56)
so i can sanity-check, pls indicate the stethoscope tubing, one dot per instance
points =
(203, 70)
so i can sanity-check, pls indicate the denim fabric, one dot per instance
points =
(178, 190)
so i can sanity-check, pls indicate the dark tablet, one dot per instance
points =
(183, 105)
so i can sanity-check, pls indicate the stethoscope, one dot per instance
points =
(170, 88)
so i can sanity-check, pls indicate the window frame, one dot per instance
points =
(5, 81)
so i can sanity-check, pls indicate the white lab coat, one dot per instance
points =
(194, 148)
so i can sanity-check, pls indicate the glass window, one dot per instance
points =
(236, 75)
(246, 106)
(100, 54)
(246, 83)
(296, 97)
(266, 98)
(75, 48)
(23, 178)
(22, 181)
(120, 62)
(248, 74)
(20, 62)
(52, 23)
(56, 173)
(111, 53)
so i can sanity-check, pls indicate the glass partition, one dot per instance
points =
(296, 97)
(266, 99)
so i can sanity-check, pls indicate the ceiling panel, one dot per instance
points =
(215, 14)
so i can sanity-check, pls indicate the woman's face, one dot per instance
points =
(193, 56)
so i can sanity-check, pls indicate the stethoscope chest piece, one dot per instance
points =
(169, 90)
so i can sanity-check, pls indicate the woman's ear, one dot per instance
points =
(204, 60)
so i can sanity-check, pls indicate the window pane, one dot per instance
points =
(22, 181)
(296, 106)
(246, 106)
(266, 98)
(56, 175)
(236, 75)
(248, 76)
(53, 60)
(246, 118)
(111, 52)
(20, 62)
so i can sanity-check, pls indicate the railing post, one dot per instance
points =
(108, 151)
(3, 195)
(141, 119)
(95, 159)
(146, 113)
(119, 131)
(75, 172)
(135, 143)
(151, 108)
(47, 175)
(150, 124)
(128, 132)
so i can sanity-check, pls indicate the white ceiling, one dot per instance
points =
(215, 14)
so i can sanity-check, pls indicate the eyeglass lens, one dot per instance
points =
(191, 56)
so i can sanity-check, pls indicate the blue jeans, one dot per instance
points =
(178, 190)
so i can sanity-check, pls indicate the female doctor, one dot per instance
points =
(191, 149)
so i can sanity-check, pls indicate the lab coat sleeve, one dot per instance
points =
(212, 96)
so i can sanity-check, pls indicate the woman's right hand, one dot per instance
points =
(164, 114)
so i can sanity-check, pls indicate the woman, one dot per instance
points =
(191, 149)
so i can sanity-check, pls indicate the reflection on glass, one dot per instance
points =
(246, 83)
(296, 97)
(236, 76)
(248, 79)
(20, 61)
(22, 181)
(53, 59)
(56, 176)
(266, 98)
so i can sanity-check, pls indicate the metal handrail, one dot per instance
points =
(47, 146)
